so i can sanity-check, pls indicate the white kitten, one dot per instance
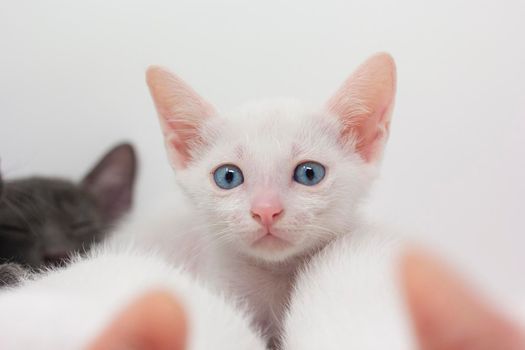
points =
(69, 308)
(271, 182)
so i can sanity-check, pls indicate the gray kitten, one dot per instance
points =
(44, 220)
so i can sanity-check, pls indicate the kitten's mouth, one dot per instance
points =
(270, 240)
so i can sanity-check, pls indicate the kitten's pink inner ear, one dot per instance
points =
(181, 112)
(446, 315)
(364, 105)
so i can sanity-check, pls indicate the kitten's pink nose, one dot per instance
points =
(267, 215)
(266, 209)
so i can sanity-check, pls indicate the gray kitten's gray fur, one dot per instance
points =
(11, 274)
(44, 220)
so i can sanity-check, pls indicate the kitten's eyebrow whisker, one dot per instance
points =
(239, 152)
(296, 151)
(19, 213)
(18, 200)
(20, 195)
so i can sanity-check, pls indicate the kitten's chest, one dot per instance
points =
(266, 292)
(268, 296)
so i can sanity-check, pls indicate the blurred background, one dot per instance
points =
(72, 85)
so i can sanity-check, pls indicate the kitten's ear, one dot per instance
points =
(111, 181)
(154, 322)
(181, 112)
(364, 105)
(446, 315)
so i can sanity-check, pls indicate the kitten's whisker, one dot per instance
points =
(316, 228)
(220, 237)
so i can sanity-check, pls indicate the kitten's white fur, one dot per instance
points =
(68, 308)
(349, 298)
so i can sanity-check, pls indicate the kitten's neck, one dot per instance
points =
(285, 267)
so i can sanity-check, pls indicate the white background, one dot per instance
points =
(72, 85)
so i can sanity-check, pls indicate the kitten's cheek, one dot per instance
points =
(301, 217)
(237, 219)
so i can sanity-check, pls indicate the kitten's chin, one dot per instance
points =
(271, 243)
(272, 248)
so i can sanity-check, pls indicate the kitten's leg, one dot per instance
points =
(71, 307)
(348, 298)
(11, 274)
(156, 321)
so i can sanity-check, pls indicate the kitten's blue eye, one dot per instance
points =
(228, 176)
(309, 173)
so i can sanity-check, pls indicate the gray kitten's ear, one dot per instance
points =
(111, 181)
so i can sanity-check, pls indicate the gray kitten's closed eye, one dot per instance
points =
(43, 220)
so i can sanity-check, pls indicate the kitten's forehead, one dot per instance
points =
(275, 127)
(46, 189)
(44, 200)
(269, 113)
